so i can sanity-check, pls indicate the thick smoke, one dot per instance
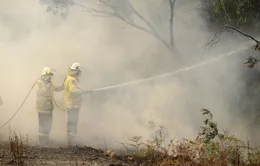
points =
(112, 52)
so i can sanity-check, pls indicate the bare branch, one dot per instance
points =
(217, 36)
(155, 33)
(172, 3)
(152, 30)
(215, 39)
(116, 11)
(95, 12)
(134, 25)
(114, 14)
(107, 4)
(246, 35)
(143, 19)
(251, 62)
(103, 15)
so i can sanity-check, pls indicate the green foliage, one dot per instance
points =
(144, 149)
(243, 14)
(58, 6)
(210, 148)
(210, 130)
(136, 142)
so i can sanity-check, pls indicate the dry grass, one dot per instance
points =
(210, 148)
(17, 149)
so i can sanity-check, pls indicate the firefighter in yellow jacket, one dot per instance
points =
(73, 100)
(44, 103)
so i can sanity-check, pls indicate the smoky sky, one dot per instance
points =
(112, 52)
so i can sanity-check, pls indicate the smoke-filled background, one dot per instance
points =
(112, 52)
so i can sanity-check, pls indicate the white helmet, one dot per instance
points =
(47, 71)
(76, 67)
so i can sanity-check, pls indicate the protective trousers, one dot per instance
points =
(72, 124)
(45, 125)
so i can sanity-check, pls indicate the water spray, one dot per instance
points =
(173, 73)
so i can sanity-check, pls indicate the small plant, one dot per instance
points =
(210, 130)
(136, 142)
(148, 152)
(17, 148)
(210, 148)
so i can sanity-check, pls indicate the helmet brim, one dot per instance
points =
(76, 69)
(51, 74)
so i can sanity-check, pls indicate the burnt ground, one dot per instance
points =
(75, 156)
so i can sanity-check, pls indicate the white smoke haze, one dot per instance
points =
(112, 52)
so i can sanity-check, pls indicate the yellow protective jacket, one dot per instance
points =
(45, 94)
(73, 92)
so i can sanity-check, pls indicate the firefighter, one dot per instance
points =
(45, 104)
(73, 100)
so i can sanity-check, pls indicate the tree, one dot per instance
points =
(242, 17)
(225, 17)
(240, 14)
(233, 15)
(121, 9)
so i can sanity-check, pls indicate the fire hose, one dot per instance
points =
(136, 81)
(19, 108)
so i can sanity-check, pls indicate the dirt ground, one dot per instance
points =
(63, 156)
